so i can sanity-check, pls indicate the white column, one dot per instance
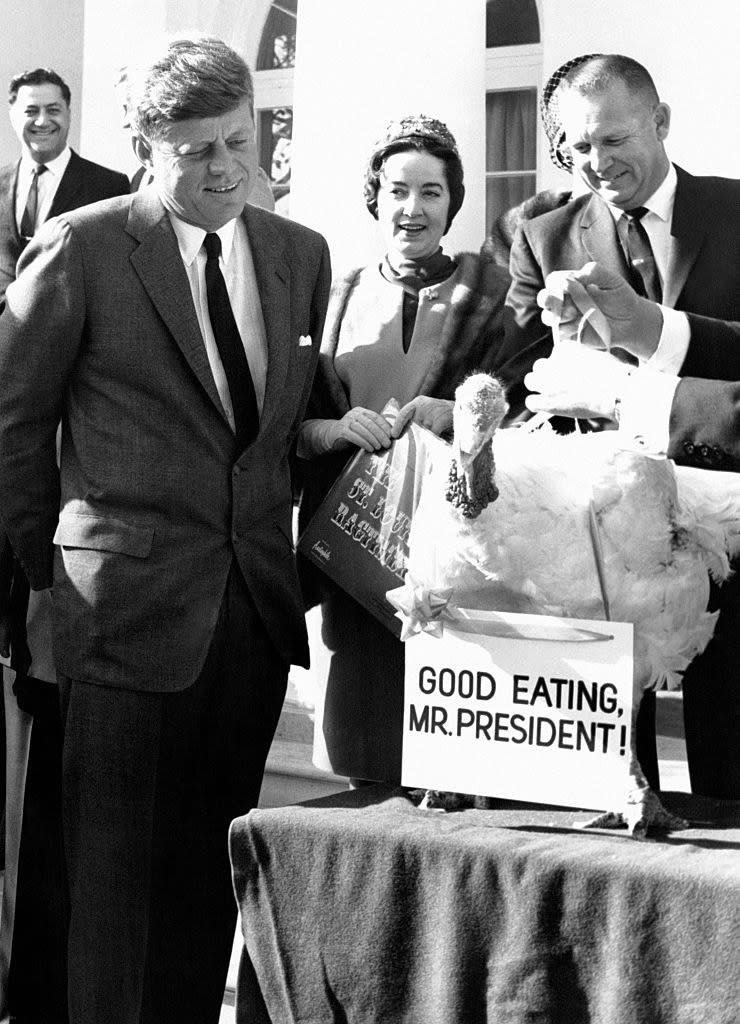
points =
(360, 64)
(115, 35)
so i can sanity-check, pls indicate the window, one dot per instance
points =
(273, 83)
(277, 45)
(274, 138)
(513, 72)
(511, 144)
(511, 23)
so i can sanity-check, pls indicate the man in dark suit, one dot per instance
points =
(683, 399)
(615, 129)
(40, 113)
(674, 236)
(49, 178)
(700, 362)
(176, 331)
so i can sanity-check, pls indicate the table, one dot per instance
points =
(360, 908)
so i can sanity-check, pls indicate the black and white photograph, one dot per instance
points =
(370, 512)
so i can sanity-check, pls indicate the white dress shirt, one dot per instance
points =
(49, 182)
(646, 401)
(237, 268)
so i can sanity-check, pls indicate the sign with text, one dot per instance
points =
(523, 707)
(360, 534)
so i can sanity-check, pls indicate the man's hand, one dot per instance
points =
(433, 413)
(576, 381)
(618, 316)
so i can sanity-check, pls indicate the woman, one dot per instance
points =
(411, 329)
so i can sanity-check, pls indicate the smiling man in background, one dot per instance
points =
(176, 331)
(49, 178)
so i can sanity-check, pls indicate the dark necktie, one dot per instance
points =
(230, 347)
(644, 276)
(28, 220)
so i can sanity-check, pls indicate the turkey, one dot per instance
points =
(580, 526)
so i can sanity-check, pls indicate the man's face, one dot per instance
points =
(616, 140)
(205, 168)
(40, 117)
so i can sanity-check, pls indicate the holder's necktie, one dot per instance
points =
(28, 220)
(230, 347)
(638, 252)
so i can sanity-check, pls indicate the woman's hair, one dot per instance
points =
(425, 135)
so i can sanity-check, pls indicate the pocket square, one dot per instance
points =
(305, 339)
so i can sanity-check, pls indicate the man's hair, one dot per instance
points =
(39, 76)
(198, 77)
(603, 71)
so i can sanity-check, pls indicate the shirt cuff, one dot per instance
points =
(673, 344)
(644, 410)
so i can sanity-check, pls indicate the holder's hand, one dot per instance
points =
(618, 316)
(433, 413)
(576, 381)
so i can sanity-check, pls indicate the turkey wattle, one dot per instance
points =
(511, 524)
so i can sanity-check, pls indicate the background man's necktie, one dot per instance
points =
(230, 347)
(644, 276)
(28, 220)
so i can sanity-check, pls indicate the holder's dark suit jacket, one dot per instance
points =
(705, 415)
(83, 182)
(151, 505)
(702, 278)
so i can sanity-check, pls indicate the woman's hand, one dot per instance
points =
(361, 427)
(433, 413)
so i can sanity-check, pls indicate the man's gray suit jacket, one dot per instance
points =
(139, 529)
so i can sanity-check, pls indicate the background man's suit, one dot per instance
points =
(702, 279)
(160, 519)
(83, 182)
(37, 979)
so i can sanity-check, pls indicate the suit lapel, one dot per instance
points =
(158, 264)
(599, 237)
(71, 184)
(688, 230)
(273, 284)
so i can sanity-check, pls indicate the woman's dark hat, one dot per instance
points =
(550, 111)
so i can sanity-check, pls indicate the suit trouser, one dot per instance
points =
(17, 733)
(37, 978)
(151, 784)
(711, 701)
